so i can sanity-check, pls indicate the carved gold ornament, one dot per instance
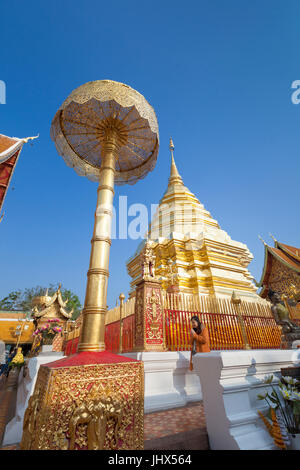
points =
(93, 407)
(29, 421)
(91, 110)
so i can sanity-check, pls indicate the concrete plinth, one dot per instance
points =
(230, 382)
(14, 429)
(168, 381)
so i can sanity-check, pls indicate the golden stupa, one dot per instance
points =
(192, 253)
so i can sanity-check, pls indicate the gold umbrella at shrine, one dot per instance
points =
(107, 132)
(101, 110)
(94, 399)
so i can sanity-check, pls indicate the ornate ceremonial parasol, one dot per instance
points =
(107, 132)
(95, 399)
(103, 110)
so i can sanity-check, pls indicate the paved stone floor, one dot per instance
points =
(8, 397)
(177, 429)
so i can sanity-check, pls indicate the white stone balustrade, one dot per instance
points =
(230, 382)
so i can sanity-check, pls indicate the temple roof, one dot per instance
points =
(50, 305)
(287, 255)
(289, 250)
(6, 143)
(9, 152)
(10, 148)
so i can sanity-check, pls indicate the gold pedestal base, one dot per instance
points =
(79, 405)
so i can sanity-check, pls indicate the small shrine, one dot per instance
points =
(46, 307)
(48, 311)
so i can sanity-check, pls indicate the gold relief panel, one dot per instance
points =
(91, 407)
(154, 318)
(281, 278)
(149, 317)
(139, 318)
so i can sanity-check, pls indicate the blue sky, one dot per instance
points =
(218, 75)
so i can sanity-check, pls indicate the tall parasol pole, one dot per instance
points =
(93, 327)
(108, 132)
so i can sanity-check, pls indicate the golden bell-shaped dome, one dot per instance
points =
(41, 300)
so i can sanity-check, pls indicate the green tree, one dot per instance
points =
(22, 300)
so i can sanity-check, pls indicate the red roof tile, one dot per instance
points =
(286, 259)
(7, 164)
(290, 250)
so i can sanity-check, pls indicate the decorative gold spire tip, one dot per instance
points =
(174, 174)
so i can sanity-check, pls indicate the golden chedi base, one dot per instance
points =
(88, 401)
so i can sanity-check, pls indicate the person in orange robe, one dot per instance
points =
(199, 338)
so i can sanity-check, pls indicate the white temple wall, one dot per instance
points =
(168, 381)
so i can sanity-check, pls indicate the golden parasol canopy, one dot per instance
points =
(81, 124)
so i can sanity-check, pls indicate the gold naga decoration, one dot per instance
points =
(107, 132)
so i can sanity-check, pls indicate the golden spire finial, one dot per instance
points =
(174, 174)
(273, 237)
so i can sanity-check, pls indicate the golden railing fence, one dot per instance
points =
(224, 320)
(230, 326)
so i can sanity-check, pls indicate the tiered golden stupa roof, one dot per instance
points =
(188, 241)
(179, 209)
